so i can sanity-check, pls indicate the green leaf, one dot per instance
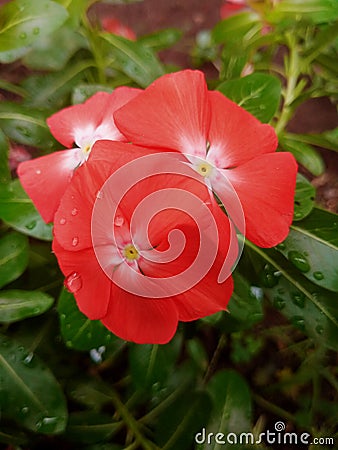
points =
(5, 174)
(304, 198)
(13, 257)
(83, 91)
(245, 307)
(179, 423)
(89, 427)
(328, 139)
(308, 307)
(134, 59)
(25, 125)
(53, 52)
(237, 27)
(53, 90)
(30, 394)
(304, 153)
(316, 11)
(23, 22)
(18, 211)
(312, 246)
(162, 39)
(258, 93)
(77, 330)
(231, 412)
(151, 364)
(18, 305)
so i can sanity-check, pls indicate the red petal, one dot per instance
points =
(141, 320)
(266, 187)
(172, 113)
(235, 135)
(65, 124)
(45, 179)
(93, 288)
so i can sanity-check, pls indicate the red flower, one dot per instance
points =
(141, 244)
(231, 7)
(114, 26)
(222, 142)
(46, 178)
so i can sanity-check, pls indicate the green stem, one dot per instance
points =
(215, 358)
(274, 408)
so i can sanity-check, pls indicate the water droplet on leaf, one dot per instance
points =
(36, 30)
(279, 303)
(28, 359)
(318, 275)
(73, 282)
(299, 299)
(281, 246)
(299, 322)
(24, 410)
(299, 261)
(31, 225)
(319, 329)
(23, 35)
(269, 276)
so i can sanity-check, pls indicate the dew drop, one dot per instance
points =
(279, 303)
(69, 344)
(73, 282)
(38, 171)
(119, 221)
(75, 241)
(319, 329)
(318, 275)
(298, 215)
(23, 35)
(36, 31)
(24, 410)
(28, 359)
(74, 211)
(299, 299)
(269, 276)
(299, 322)
(63, 316)
(281, 246)
(299, 261)
(31, 225)
(99, 194)
(62, 221)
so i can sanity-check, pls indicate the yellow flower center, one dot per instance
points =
(204, 169)
(130, 252)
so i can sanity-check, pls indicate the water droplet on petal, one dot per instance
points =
(62, 221)
(75, 241)
(74, 211)
(299, 261)
(73, 282)
(99, 194)
(38, 171)
(318, 275)
(119, 221)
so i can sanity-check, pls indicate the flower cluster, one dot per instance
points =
(149, 196)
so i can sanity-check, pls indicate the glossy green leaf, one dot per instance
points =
(316, 11)
(89, 427)
(53, 90)
(308, 307)
(315, 254)
(13, 256)
(258, 93)
(304, 198)
(76, 9)
(162, 39)
(24, 22)
(151, 364)
(184, 417)
(134, 59)
(304, 153)
(18, 305)
(231, 412)
(77, 330)
(83, 91)
(30, 394)
(328, 139)
(18, 211)
(25, 125)
(239, 26)
(53, 52)
(245, 306)
(5, 174)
